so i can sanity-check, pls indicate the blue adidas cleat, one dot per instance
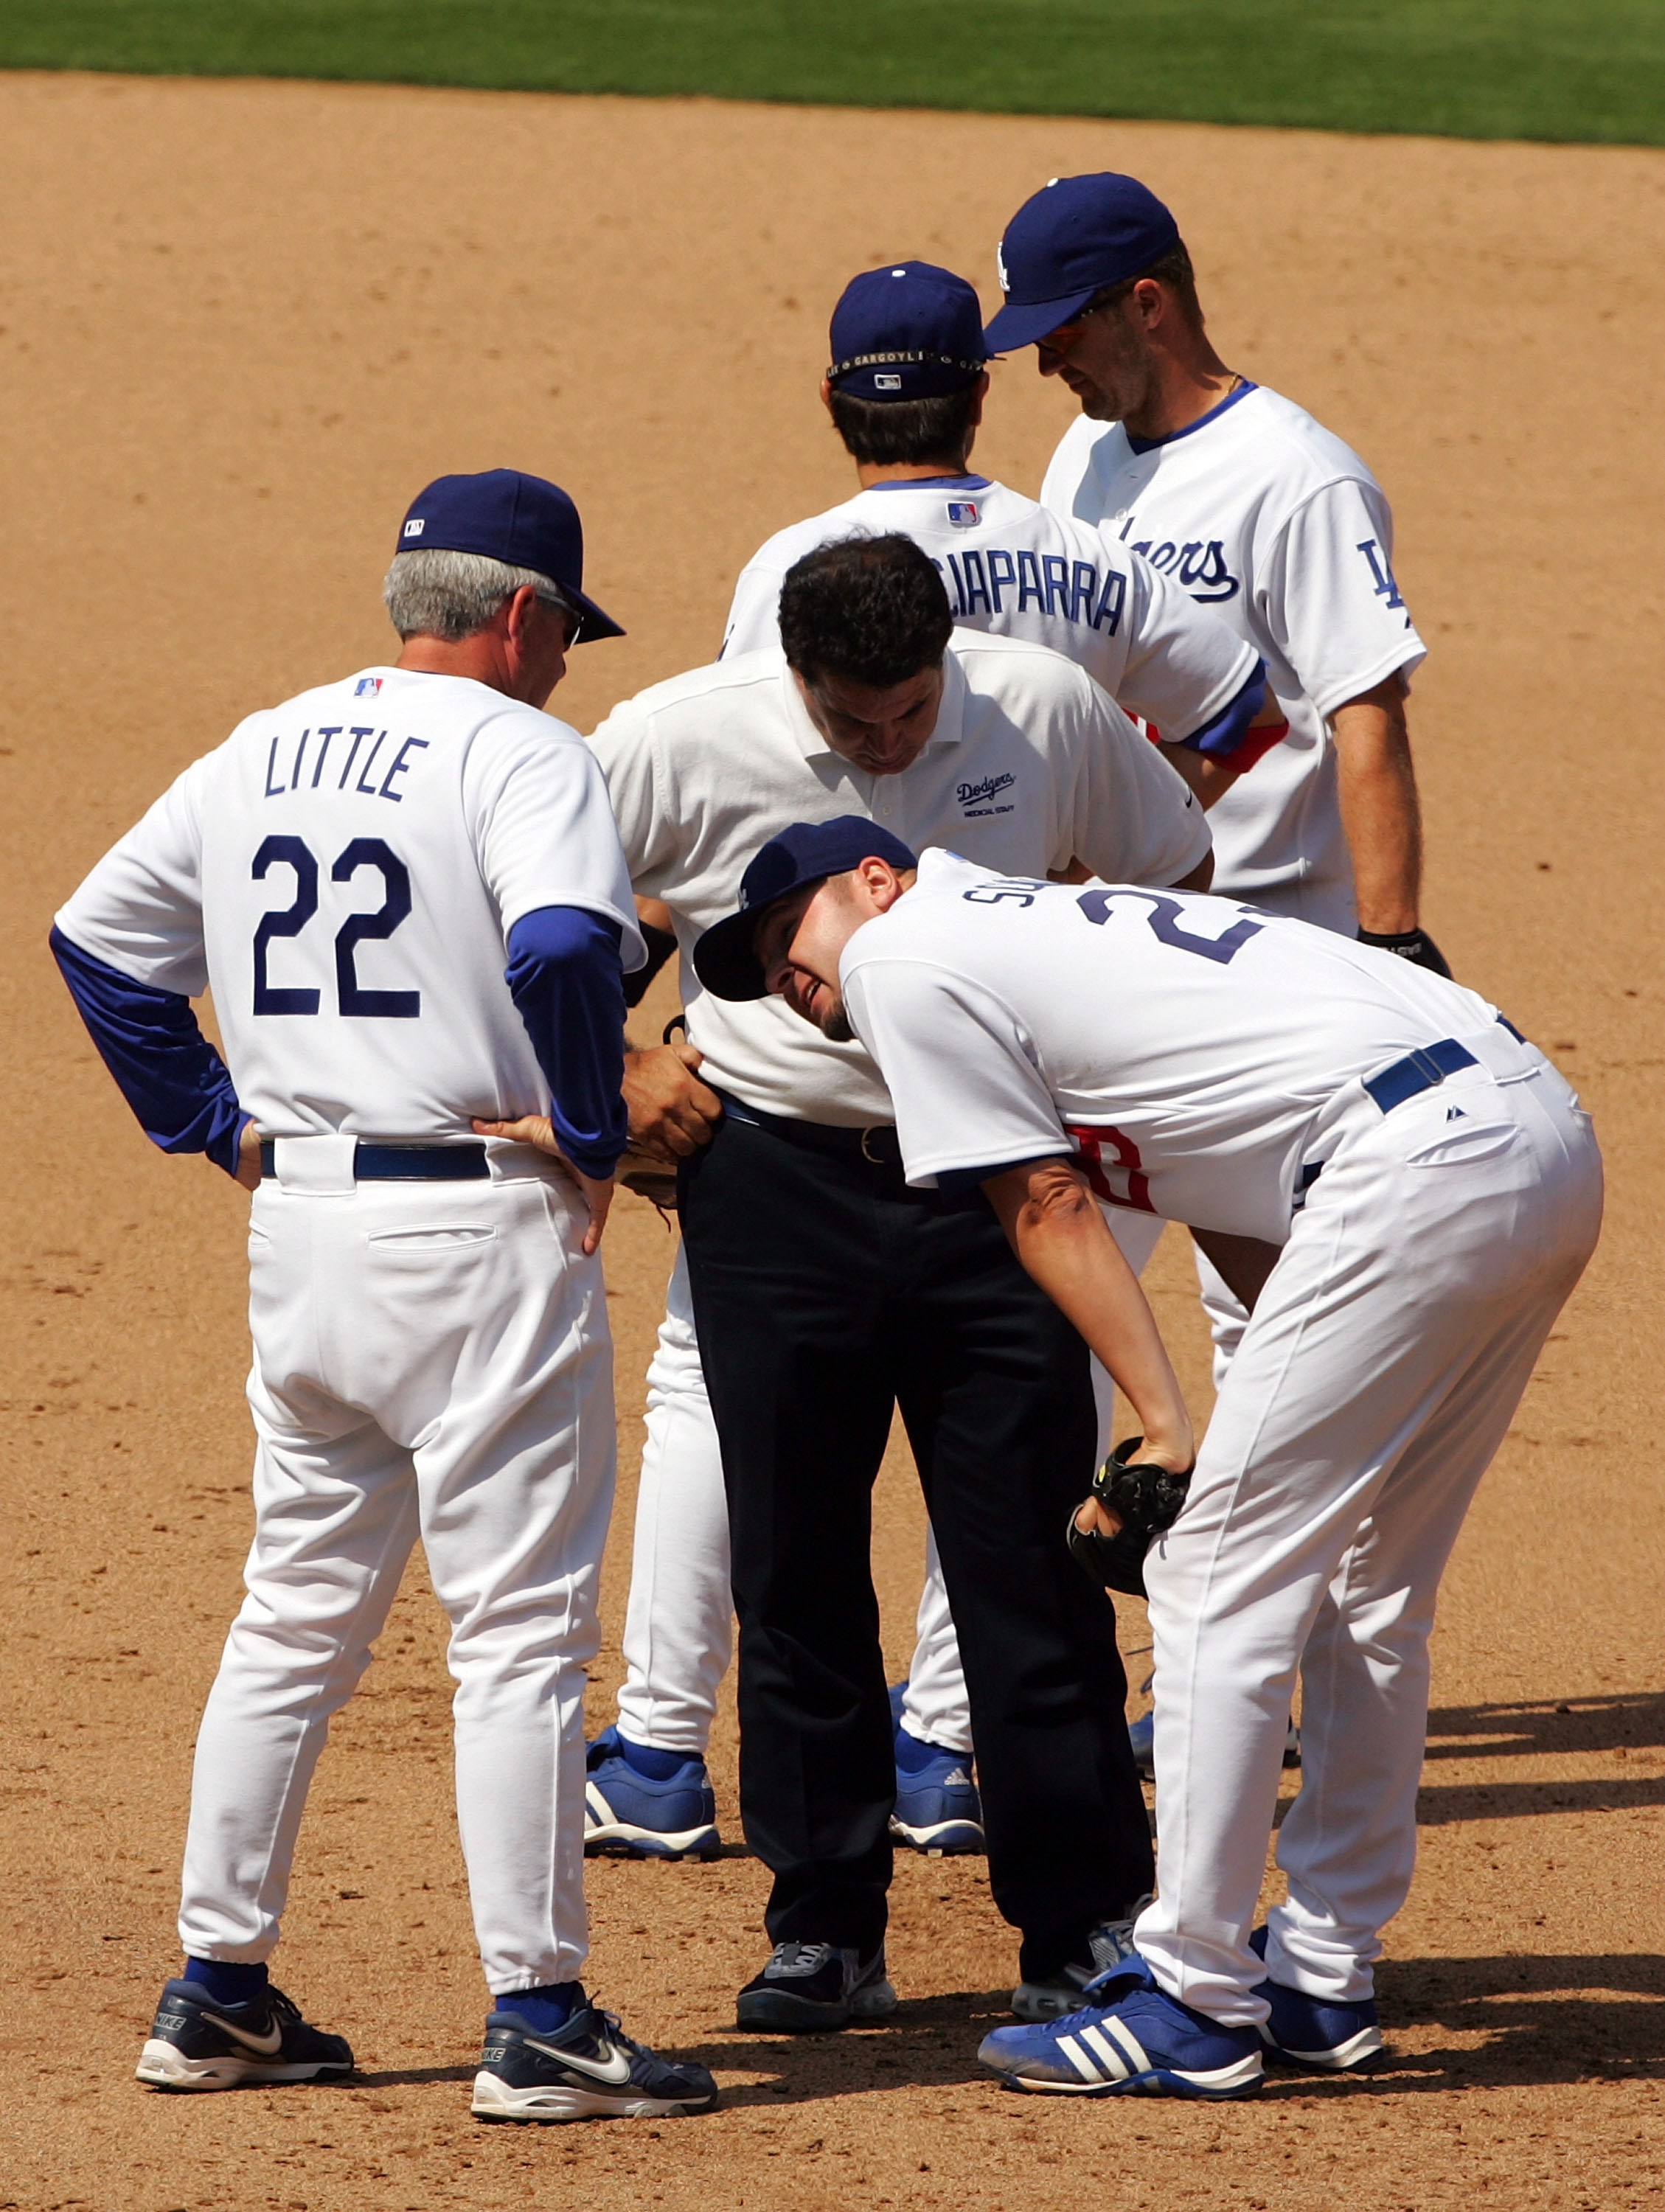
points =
(1140, 2042)
(938, 1810)
(1322, 2035)
(631, 1815)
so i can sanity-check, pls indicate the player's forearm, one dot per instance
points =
(564, 976)
(1059, 1235)
(179, 1089)
(1376, 784)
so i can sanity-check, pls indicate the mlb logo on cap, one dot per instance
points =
(962, 513)
(414, 527)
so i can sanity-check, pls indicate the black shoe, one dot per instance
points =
(195, 2043)
(589, 2069)
(807, 1987)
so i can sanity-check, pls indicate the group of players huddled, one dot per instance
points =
(1040, 872)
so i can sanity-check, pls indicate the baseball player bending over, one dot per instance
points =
(1403, 1191)
(348, 873)
(905, 390)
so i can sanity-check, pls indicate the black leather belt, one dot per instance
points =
(404, 1163)
(877, 1145)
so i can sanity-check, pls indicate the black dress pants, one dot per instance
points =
(825, 1292)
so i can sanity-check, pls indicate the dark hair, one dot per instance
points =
(871, 610)
(1174, 269)
(883, 431)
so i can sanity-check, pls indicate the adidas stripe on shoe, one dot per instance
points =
(1142, 2042)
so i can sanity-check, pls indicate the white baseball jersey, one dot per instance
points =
(344, 872)
(1281, 530)
(1030, 764)
(1012, 567)
(1188, 1047)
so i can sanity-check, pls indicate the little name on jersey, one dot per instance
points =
(315, 752)
(994, 580)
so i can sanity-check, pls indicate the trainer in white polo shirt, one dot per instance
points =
(905, 393)
(1405, 1192)
(876, 706)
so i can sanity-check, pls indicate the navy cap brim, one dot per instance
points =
(724, 958)
(596, 623)
(1021, 324)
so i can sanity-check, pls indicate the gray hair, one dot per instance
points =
(438, 594)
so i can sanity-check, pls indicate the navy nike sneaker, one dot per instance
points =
(1322, 2035)
(195, 2043)
(586, 2070)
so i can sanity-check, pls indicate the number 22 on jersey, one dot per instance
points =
(351, 997)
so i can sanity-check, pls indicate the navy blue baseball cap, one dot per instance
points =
(521, 520)
(909, 331)
(1072, 238)
(725, 959)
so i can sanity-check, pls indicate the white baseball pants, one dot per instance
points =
(678, 1624)
(1374, 1382)
(430, 1359)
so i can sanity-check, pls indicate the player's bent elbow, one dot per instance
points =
(1199, 878)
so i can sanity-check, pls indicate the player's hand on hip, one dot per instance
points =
(671, 1112)
(537, 1130)
(248, 1157)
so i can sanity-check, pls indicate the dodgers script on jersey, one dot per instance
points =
(1011, 567)
(343, 872)
(1279, 529)
(1029, 766)
(1194, 1049)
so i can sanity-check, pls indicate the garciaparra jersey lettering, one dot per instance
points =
(343, 873)
(1193, 1050)
(1011, 567)
(1278, 529)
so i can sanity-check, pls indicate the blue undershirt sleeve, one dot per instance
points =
(179, 1087)
(565, 976)
(1219, 739)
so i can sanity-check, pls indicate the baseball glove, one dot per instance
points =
(1146, 1498)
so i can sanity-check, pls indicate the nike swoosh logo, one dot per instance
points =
(615, 2071)
(268, 2044)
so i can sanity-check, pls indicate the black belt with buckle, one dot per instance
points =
(875, 1145)
(404, 1163)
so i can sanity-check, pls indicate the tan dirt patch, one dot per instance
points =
(240, 324)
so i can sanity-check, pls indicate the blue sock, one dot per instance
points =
(914, 1756)
(657, 1765)
(226, 1981)
(546, 2008)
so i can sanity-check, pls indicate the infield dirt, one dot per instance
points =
(240, 324)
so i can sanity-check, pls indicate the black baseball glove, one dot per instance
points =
(1146, 1499)
(1412, 945)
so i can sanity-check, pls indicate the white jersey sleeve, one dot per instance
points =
(140, 910)
(1329, 598)
(1131, 817)
(961, 1070)
(1183, 665)
(540, 824)
(754, 613)
(624, 748)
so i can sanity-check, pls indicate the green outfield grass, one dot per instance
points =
(1591, 69)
